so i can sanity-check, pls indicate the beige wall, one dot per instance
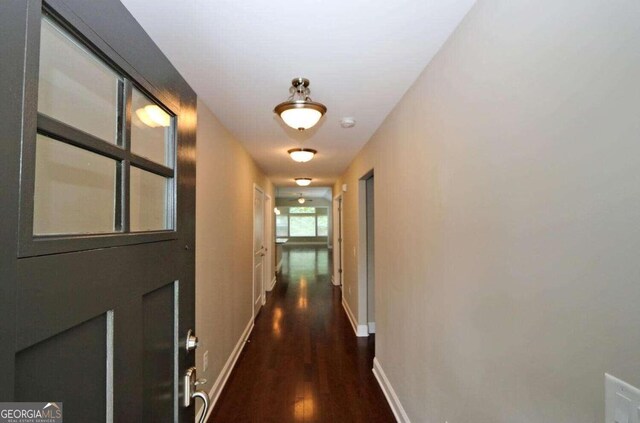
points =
(224, 241)
(507, 203)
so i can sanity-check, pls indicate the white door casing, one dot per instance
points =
(258, 249)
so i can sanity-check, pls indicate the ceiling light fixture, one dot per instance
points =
(301, 200)
(302, 154)
(299, 111)
(303, 182)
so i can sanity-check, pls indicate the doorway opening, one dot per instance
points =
(366, 254)
(371, 317)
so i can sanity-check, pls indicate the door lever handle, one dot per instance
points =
(205, 398)
(191, 393)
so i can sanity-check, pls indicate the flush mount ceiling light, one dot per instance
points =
(302, 154)
(303, 182)
(299, 111)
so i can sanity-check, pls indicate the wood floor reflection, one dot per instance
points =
(303, 362)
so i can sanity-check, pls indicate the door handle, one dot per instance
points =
(191, 393)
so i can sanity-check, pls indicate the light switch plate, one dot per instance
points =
(622, 401)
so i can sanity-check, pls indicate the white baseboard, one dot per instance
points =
(372, 327)
(360, 330)
(218, 386)
(389, 393)
(272, 284)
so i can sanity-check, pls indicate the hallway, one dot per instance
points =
(303, 362)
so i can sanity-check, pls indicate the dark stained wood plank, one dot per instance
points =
(303, 362)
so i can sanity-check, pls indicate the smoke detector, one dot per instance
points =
(347, 122)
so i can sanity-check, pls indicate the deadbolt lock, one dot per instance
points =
(191, 341)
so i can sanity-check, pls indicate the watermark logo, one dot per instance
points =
(30, 412)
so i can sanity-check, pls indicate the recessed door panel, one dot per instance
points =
(71, 367)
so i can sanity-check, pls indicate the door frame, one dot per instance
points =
(256, 187)
(369, 209)
(338, 240)
(270, 243)
(362, 253)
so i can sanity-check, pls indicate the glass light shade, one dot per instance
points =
(301, 118)
(276, 211)
(302, 154)
(303, 182)
(300, 114)
(301, 200)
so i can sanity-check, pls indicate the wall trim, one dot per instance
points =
(372, 327)
(221, 381)
(272, 284)
(389, 393)
(360, 330)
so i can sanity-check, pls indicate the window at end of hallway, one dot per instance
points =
(282, 226)
(323, 225)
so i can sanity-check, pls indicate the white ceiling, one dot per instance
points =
(240, 56)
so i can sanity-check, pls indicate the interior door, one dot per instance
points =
(97, 274)
(258, 249)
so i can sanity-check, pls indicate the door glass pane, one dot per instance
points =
(148, 201)
(75, 87)
(150, 129)
(75, 190)
(302, 225)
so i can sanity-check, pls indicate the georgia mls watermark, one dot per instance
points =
(30, 412)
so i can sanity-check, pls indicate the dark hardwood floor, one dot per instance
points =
(303, 362)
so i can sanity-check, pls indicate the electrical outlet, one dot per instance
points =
(205, 361)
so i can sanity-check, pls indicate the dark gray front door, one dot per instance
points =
(97, 227)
